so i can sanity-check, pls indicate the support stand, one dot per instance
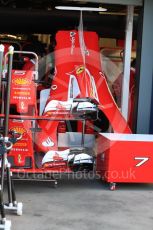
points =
(6, 143)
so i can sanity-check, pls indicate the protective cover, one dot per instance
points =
(78, 74)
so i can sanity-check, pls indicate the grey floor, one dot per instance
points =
(84, 204)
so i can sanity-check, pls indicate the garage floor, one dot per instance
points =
(84, 204)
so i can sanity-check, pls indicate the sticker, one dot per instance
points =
(21, 81)
(54, 87)
(19, 158)
(22, 105)
(48, 143)
(19, 72)
(72, 39)
(20, 130)
(80, 70)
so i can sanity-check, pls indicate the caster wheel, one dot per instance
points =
(112, 186)
(55, 184)
(19, 209)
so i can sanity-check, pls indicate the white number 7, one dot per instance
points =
(142, 160)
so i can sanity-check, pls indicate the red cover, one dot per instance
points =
(70, 62)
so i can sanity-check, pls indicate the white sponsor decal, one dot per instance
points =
(72, 38)
(22, 105)
(48, 143)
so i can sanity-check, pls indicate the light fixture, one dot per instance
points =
(99, 9)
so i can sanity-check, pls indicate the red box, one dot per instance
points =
(125, 157)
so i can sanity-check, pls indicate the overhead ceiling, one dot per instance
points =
(50, 4)
(40, 16)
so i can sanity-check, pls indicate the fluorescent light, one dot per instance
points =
(99, 9)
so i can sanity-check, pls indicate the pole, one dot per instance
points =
(127, 62)
(8, 91)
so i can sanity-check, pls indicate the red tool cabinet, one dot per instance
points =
(125, 158)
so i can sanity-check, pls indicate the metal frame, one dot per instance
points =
(1, 63)
(6, 144)
(22, 52)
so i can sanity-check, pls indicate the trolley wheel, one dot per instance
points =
(19, 209)
(112, 186)
(55, 184)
